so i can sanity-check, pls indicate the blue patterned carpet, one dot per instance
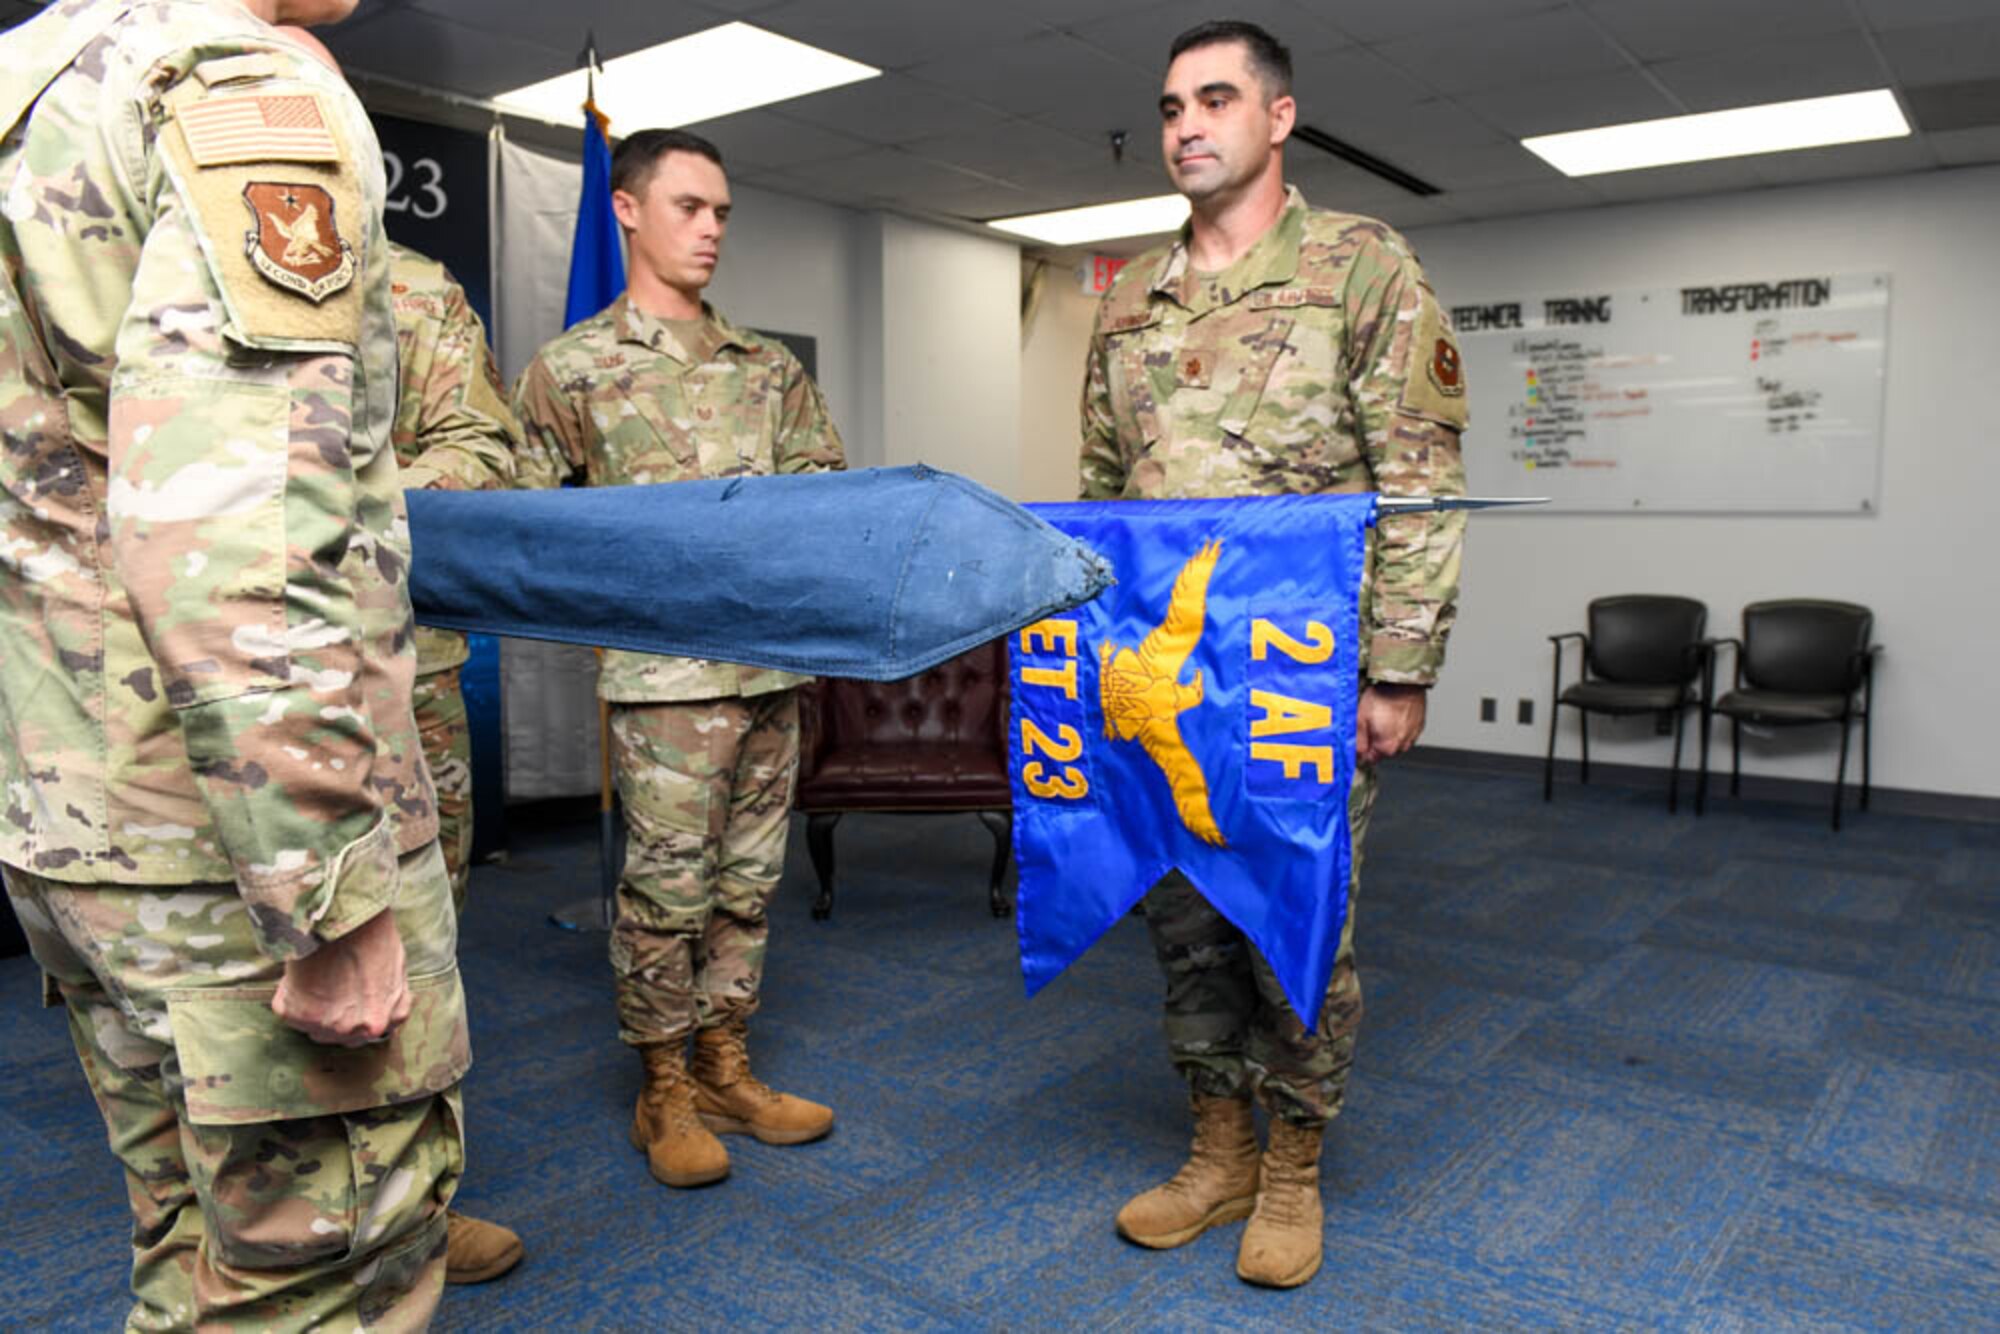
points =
(1619, 1070)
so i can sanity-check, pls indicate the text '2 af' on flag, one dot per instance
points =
(1198, 715)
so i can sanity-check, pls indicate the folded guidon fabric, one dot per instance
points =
(878, 574)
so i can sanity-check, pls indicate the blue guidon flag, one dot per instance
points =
(1198, 715)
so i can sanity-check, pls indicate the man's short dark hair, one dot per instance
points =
(1270, 59)
(637, 154)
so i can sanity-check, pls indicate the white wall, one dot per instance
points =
(949, 306)
(785, 267)
(1053, 347)
(1925, 563)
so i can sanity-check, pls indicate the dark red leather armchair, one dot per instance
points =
(935, 742)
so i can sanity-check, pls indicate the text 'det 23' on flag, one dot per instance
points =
(1197, 715)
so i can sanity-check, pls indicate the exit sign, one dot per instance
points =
(1098, 272)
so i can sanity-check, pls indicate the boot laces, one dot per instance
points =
(729, 1062)
(670, 1093)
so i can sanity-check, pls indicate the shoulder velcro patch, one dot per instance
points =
(1434, 371)
(279, 205)
(257, 127)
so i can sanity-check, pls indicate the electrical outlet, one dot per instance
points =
(1489, 709)
(1524, 712)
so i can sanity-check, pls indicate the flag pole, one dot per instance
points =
(1432, 504)
(593, 285)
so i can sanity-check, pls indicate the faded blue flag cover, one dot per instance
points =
(881, 572)
(1200, 715)
(597, 253)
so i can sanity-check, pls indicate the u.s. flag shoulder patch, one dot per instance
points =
(257, 127)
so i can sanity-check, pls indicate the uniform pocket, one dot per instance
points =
(241, 1064)
(303, 1154)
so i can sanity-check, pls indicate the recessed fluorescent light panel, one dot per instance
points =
(694, 78)
(1776, 127)
(1099, 222)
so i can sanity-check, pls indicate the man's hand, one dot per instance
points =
(1389, 721)
(350, 991)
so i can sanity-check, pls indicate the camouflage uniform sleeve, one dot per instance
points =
(554, 446)
(1408, 383)
(232, 499)
(806, 439)
(466, 431)
(1100, 465)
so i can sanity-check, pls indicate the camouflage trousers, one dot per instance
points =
(707, 790)
(440, 709)
(274, 1183)
(1229, 1027)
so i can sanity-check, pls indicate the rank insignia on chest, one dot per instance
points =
(294, 243)
(1195, 370)
(1197, 716)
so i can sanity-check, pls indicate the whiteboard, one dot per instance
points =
(1761, 396)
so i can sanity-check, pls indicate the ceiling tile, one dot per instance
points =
(1411, 211)
(1330, 84)
(618, 25)
(1381, 22)
(1691, 178)
(1465, 57)
(1437, 123)
(1328, 183)
(763, 139)
(1773, 72)
(893, 109)
(1944, 53)
(1453, 167)
(896, 34)
(1142, 38)
(1655, 31)
(1884, 158)
(435, 53)
(1960, 148)
(1096, 185)
(1886, 14)
(1016, 150)
(1553, 105)
(885, 171)
(1042, 74)
(1502, 200)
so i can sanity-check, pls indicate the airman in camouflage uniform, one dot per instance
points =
(453, 431)
(219, 835)
(1316, 360)
(661, 388)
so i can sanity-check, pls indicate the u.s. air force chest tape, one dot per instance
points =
(263, 163)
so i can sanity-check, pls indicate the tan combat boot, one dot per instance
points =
(732, 1101)
(1216, 1185)
(476, 1250)
(678, 1147)
(1281, 1247)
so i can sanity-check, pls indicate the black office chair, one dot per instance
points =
(1644, 654)
(1800, 661)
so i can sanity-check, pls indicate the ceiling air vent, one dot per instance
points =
(1367, 161)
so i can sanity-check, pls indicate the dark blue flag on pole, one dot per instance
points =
(597, 253)
(1199, 715)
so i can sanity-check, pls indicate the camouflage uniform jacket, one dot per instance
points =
(453, 428)
(618, 401)
(205, 663)
(1319, 362)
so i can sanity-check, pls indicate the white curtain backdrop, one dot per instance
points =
(547, 691)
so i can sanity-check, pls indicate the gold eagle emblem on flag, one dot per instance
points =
(1143, 698)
